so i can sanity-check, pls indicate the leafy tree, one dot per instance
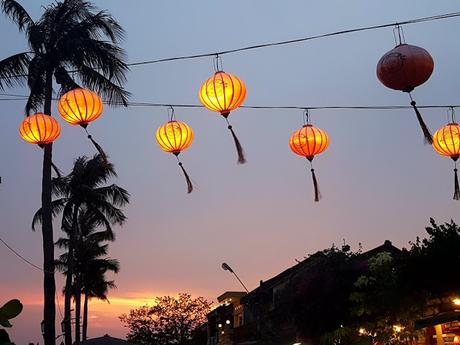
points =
(73, 44)
(169, 321)
(84, 191)
(398, 290)
(91, 264)
(321, 303)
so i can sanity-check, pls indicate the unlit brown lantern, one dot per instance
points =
(404, 68)
(308, 142)
(223, 93)
(175, 137)
(39, 129)
(446, 142)
(81, 107)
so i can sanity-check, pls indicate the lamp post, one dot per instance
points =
(226, 267)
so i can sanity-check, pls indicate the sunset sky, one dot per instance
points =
(378, 180)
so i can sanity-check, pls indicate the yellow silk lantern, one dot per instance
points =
(39, 129)
(308, 142)
(446, 142)
(175, 137)
(223, 93)
(80, 107)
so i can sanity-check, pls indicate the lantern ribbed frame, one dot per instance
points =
(174, 137)
(80, 106)
(39, 129)
(223, 92)
(446, 141)
(309, 141)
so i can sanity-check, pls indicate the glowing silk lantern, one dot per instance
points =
(80, 107)
(404, 68)
(39, 129)
(223, 93)
(175, 137)
(308, 142)
(446, 142)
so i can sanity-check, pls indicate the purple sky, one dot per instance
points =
(377, 178)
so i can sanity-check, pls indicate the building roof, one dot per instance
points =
(387, 246)
(105, 340)
(231, 294)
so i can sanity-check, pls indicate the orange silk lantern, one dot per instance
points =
(308, 142)
(39, 129)
(175, 137)
(446, 142)
(80, 107)
(223, 93)
(404, 68)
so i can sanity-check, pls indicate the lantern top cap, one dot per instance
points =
(308, 125)
(452, 124)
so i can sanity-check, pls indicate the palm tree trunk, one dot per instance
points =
(85, 318)
(49, 287)
(68, 281)
(77, 306)
(68, 298)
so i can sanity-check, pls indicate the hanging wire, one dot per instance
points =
(280, 43)
(303, 39)
(306, 117)
(171, 115)
(398, 34)
(22, 257)
(451, 115)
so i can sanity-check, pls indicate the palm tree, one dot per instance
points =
(66, 44)
(84, 191)
(95, 286)
(90, 264)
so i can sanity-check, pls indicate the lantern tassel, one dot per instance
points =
(239, 148)
(456, 188)
(315, 185)
(187, 178)
(98, 148)
(423, 126)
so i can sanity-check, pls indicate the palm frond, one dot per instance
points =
(64, 79)
(111, 92)
(14, 70)
(37, 84)
(114, 194)
(16, 13)
(56, 207)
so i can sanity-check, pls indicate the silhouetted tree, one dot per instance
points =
(84, 190)
(91, 264)
(169, 321)
(70, 36)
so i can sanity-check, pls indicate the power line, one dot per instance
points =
(20, 256)
(299, 40)
(281, 43)
(261, 107)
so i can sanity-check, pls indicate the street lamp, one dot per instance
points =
(226, 267)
